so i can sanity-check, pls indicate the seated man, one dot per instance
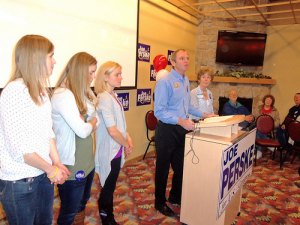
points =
(233, 107)
(294, 114)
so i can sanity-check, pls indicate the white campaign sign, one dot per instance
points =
(237, 162)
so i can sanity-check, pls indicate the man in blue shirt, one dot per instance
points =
(172, 107)
(233, 107)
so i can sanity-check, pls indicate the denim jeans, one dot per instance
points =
(28, 201)
(74, 196)
(261, 135)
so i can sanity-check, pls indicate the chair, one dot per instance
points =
(293, 130)
(151, 123)
(265, 125)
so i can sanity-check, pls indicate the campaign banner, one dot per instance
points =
(143, 53)
(143, 97)
(237, 162)
(152, 73)
(169, 56)
(124, 99)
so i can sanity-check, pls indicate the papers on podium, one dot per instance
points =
(223, 126)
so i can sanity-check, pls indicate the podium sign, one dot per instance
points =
(237, 161)
(212, 185)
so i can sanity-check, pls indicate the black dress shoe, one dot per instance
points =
(165, 210)
(174, 201)
(108, 220)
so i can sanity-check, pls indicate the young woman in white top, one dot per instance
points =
(73, 114)
(113, 142)
(29, 162)
(201, 96)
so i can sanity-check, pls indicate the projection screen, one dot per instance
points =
(105, 29)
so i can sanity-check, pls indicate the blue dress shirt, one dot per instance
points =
(172, 99)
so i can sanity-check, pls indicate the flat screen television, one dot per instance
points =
(241, 48)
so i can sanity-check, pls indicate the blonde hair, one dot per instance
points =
(75, 77)
(105, 70)
(30, 64)
(203, 71)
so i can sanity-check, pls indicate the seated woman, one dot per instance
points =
(233, 107)
(267, 108)
(201, 96)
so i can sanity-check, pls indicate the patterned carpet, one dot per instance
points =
(269, 196)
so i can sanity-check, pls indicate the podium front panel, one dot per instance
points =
(211, 188)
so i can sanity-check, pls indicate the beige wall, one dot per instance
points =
(282, 62)
(164, 28)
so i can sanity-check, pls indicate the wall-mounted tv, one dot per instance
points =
(241, 48)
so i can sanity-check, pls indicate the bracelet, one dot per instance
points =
(55, 173)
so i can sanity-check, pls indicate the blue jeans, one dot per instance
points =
(28, 201)
(261, 135)
(74, 196)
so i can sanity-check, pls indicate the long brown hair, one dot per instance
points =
(75, 77)
(30, 64)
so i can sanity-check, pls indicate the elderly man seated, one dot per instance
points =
(233, 107)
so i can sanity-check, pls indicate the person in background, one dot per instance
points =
(233, 107)
(172, 107)
(73, 114)
(267, 108)
(293, 114)
(201, 96)
(29, 161)
(113, 143)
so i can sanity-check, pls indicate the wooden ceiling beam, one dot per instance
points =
(219, 3)
(282, 18)
(261, 14)
(252, 6)
(212, 2)
(192, 7)
(270, 19)
(267, 13)
(293, 10)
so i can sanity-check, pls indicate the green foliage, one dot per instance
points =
(242, 74)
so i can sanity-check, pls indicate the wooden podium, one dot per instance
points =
(216, 165)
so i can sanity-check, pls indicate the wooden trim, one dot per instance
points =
(243, 80)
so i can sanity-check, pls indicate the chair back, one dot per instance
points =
(287, 121)
(151, 120)
(151, 123)
(294, 130)
(265, 124)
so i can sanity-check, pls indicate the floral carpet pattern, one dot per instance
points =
(270, 196)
